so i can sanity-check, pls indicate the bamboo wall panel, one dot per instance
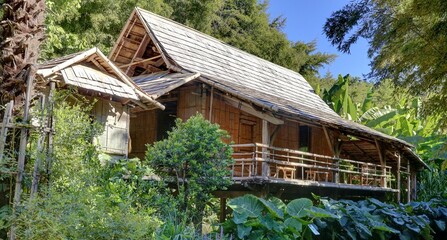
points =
(287, 136)
(189, 102)
(240, 125)
(319, 144)
(143, 130)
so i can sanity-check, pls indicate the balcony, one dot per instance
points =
(256, 162)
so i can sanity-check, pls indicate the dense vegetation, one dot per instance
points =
(88, 195)
(407, 43)
(258, 218)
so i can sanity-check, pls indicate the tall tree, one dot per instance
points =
(408, 42)
(21, 32)
(74, 25)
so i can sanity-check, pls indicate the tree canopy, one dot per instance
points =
(75, 25)
(408, 42)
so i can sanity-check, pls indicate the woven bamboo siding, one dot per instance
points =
(189, 101)
(287, 136)
(115, 119)
(241, 126)
(143, 130)
(319, 144)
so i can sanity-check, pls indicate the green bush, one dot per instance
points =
(257, 218)
(194, 159)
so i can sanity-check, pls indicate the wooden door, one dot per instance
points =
(246, 131)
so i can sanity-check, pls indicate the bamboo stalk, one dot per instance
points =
(4, 129)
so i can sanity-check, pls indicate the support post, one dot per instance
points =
(210, 117)
(398, 177)
(4, 129)
(265, 155)
(334, 147)
(413, 186)
(223, 209)
(40, 146)
(408, 182)
(51, 127)
(383, 180)
(22, 146)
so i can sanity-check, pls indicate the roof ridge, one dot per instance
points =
(218, 40)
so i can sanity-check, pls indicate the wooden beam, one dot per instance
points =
(329, 140)
(249, 109)
(274, 134)
(140, 50)
(138, 62)
(223, 209)
(383, 180)
(67, 63)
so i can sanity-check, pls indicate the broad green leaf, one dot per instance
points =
(247, 204)
(272, 208)
(317, 212)
(243, 231)
(294, 224)
(363, 229)
(239, 218)
(440, 224)
(297, 208)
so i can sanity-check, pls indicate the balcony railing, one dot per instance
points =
(258, 160)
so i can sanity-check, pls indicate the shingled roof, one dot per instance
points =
(92, 70)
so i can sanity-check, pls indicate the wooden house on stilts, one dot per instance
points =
(287, 141)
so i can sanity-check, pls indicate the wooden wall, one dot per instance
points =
(319, 144)
(143, 130)
(241, 126)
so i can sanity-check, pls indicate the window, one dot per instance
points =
(304, 138)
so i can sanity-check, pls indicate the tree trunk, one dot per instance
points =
(21, 33)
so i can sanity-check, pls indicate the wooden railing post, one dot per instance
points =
(408, 181)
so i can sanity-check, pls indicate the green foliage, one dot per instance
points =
(195, 159)
(407, 42)
(339, 99)
(83, 197)
(257, 218)
(76, 25)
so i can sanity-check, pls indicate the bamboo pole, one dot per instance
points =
(4, 129)
(22, 147)
(51, 126)
(40, 145)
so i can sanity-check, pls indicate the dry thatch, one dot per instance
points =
(21, 33)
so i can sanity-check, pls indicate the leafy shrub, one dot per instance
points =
(195, 159)
(257, 218)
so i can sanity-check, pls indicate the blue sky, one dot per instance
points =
(305, 20)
